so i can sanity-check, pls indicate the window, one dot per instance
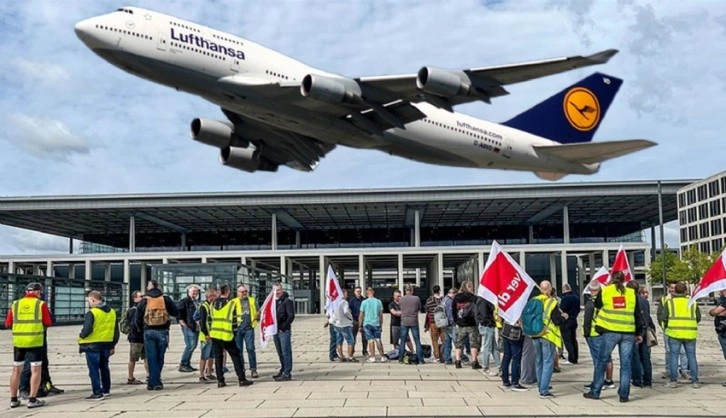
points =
(684, 234)
(692, 215)
(681, 200)
(715, 207)
(706, 247)
(713, 188)
(717, 245)
(704, 230)
(716, 227)
(682, 217)
(691, 194)
(702, 192)
(703, 211)
(723, 184)
(692, 233)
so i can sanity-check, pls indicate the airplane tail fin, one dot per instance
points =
(572, 115)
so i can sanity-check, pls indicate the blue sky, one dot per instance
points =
(74, 124)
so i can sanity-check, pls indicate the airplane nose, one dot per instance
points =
(83, 30)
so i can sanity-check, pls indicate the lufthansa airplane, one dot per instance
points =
(280, 111)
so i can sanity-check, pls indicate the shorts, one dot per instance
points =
(471, 332)
(372, 332)
(395, 335)
(33, 355)
(345, 333)
(137, 352)
(207, 350)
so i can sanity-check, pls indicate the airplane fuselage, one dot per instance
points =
(193, 58)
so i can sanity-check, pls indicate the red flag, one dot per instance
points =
(621, 264)
(268, 319)
(713, 281)
(602, 276)
(333, 292)
(505, 284)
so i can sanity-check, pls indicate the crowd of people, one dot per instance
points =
(464, 328)
(223, 325)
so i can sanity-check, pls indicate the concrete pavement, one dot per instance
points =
(321, 388)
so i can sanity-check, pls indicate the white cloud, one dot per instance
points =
(18, 241)
(43, 138)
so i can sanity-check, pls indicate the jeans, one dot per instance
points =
(545, 352)
(569, 337)
(246, 337)
(608, 341)
(156, 341)
(594, 344)
(675, 347)
(332, 347)
(489, 346)
(416, 339)
(450, 332)
(682, 361)
(98, 371)
(358, 329)
(642, 366)
(283, 345)
(219, 347)
(191, 339)
(722, 340)
(513, 356)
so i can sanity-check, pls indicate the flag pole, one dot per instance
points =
(662, 237)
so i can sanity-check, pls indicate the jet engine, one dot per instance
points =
(245, 158)
(443, 82)
(331, 90)
(216, 133)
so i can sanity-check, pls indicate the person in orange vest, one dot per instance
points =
(28, 317)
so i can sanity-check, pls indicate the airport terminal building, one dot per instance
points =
(384, 238)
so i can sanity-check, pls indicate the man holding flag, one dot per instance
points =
(715, 280)
(285, 315)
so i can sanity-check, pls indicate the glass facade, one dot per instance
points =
(66, 298)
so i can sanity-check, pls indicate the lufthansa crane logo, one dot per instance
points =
(581, 109)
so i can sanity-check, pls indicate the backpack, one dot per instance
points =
(156, 314)
(440, 318)
(124, 325)
(534, 322)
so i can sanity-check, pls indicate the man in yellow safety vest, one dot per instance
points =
(248, 315)
(98, 340)
(28, 317)
(680, 323)
(219, 330)
(619, 322)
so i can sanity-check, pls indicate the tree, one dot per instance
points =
(656, 267)
(689, 268)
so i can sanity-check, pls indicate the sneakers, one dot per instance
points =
(624, 400)
(55, 391)
(371, 359)
(696, 385)
(283, 378)
(506, 385)
(519, 388)
(204, 380)
(548, 395)
(37, 404)
(93, 397)
(458, 364)
(254, 374)
(384, 359)
(684, 376)
(15, 404)
(245, 382)
(476, 365)
(556, 370)
(23, 395)
(671, 385)
(609, 384)
(589, 395)
(186, 369)
(221, 384)
(211, 377)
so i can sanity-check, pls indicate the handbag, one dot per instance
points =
(511, 332)
(650, 337)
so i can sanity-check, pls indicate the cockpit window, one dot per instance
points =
(129, 11)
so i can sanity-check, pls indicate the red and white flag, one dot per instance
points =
(713, 281)
(268, 319)
(621, 264)
(333, 292)
(505, 284)
(602, 276)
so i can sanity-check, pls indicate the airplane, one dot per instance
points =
(280, 111)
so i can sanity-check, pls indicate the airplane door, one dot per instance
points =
(507, 152)
(161, 41)
(234, 65)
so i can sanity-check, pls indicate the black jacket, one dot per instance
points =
(465, 309)
(285, 312)
(136, 335)
(187, 308)
(570, 304)
(587, 320)
(485, 313)
(141, 310)
(88, 329)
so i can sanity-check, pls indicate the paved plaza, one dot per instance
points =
(322, 388)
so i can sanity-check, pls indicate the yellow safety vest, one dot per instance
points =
(104, 327)
(497, 318)
(253, 310)
(682, 324)
(222, 322)
(553, 334)
(207, 307)
(618, 310)
(593, 333)
(28, 326)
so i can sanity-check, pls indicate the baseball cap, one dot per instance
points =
(35, 286)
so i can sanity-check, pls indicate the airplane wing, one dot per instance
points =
(481, 83)
(279, 147)
(594, 152)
